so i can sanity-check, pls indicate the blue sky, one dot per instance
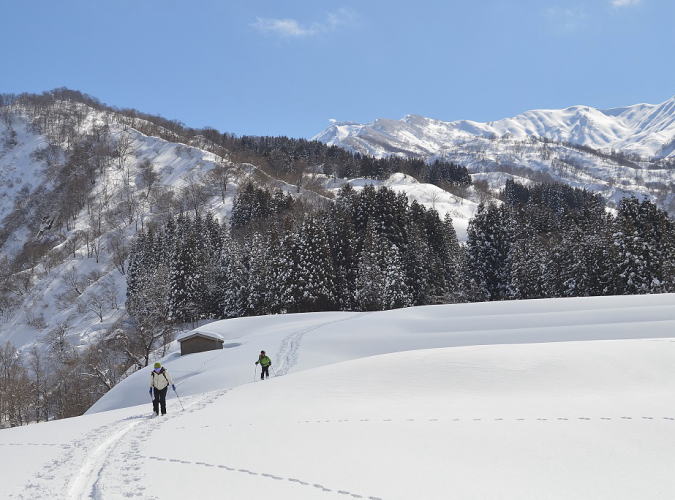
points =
(286, 67)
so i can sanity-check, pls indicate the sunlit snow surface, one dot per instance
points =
(562, 398)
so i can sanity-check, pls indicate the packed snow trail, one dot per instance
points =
(85, 483)
(290, 346)
(106, 461)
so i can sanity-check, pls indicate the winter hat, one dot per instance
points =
(158, 364)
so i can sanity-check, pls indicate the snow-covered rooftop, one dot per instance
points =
(198, 333)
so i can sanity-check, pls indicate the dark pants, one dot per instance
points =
(160, 399)
(265, 371)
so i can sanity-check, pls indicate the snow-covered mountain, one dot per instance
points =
(78, 270)
(71, 277)
(618, 151)
(510, 400)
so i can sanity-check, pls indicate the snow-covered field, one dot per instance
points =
(555, 398)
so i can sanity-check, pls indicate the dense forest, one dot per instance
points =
(373, 250)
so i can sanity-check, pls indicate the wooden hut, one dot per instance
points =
(192, 342)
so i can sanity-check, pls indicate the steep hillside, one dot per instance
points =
(68, 229)
(615, 152)
(79, 179)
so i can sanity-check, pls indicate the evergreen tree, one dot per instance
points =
(343, 244)
(489, 241)
(230, 280)
(310, 270)
(452, 259)
(585, 258)
(416, 262)
(641, 242)
(186, 281)
(396, 291)
(290, 298)
(258, 299)
(525, 264)
(371, 281)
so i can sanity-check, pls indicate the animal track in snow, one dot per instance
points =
(265, 475)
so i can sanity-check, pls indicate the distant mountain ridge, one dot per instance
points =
(646, 130)
(617, 152)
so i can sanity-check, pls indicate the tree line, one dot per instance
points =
(370, 250)
(375, 250)
(552, 240)
(283, 157)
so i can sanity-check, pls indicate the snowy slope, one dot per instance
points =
(497, 417)
(21, 173)
(42, 309)
(49, 302)
(514, 146)
(302, 341)
(428, 195)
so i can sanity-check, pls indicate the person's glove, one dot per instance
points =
(256, 362)
(173, 387)
(151, 391)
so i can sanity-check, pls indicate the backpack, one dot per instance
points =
(161, 372)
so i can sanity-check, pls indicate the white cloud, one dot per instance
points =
(624, 3)
(566, 20)
(292, 28)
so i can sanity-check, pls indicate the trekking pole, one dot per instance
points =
(274, 371)
(255, 373)
(181, 403)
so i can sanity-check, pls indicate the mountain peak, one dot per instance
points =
(641, 129)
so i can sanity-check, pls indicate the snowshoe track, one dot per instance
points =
(290, 346)
(85, 483)
(115, 446)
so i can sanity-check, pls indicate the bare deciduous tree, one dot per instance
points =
(220, 176)
(148, 177)
(119, 250)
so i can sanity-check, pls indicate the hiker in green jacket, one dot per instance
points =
(265, 362)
